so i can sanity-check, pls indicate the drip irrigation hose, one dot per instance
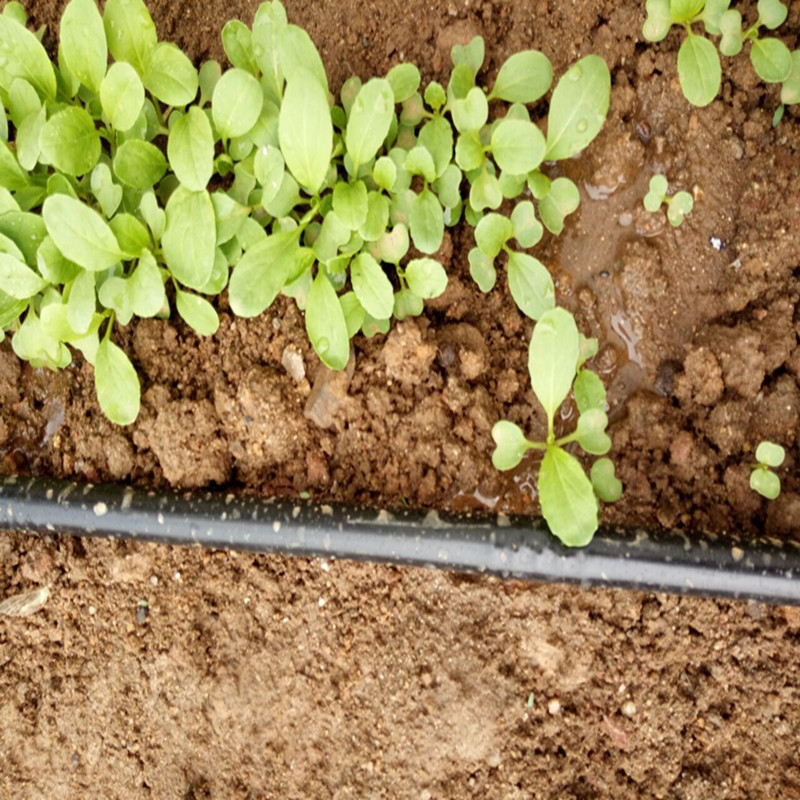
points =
(511, 547)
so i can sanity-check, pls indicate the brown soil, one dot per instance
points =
(391, 683)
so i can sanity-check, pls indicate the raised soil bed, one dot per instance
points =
(258, 676)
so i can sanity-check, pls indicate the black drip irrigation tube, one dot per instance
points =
(511, 547)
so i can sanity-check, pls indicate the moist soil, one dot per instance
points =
(159, 672)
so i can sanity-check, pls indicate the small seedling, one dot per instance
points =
(699, 68)
(678, 205)
(567, 496)
(762, 479)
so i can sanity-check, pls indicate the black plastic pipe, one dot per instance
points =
(518, 547)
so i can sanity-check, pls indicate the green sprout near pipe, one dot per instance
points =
(762, 479)
(567, 496)
(678, 205)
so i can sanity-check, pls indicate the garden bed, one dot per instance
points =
(698, 329)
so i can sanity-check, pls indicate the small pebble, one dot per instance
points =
(141, 614)
(92, 611)
(153, 580)
(553, 707)
(629, 709)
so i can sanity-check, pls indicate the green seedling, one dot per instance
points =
(762, 479)
(699, 68)
(678, 205)
(568, 498)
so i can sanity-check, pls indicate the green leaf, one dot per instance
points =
(471, 54)
(384, 173)
(552, 357)
(462, 80)
(426, 278)
(130, 32)
(18, 280)
(22, 101)
(658, 22)
(591, 432)
(578, 107)
(420, 162)
(377, 218)
(107, 193)
(657, 193)
(16, 11)
(492, 233)
(70, 142)
(147, 287)
(22, 56)
(372, 287)
(229, 216)
(306, 130)
(589, 392)
(730, 26)
(712, 14)
(407, 304)
(117, 384)
(766, 483)
(511, 445)
(771, 59)
(524, 78)
(190, 237)
(237, 41)
(269, 169)
(297, 52)
(567, 498)
(436, 137)
(685, 10)
(354, 313)
(448, 186)
(770, 454)
(426, 222)
(369, 122)
(699, 70)
(485, 192)
(82, 302)
(350, 204)
(139, 164)
(772, 13)
(679, 206)
(197, 313)
(435, 97)
(470, 114)
(790, 91)
(561, 201)
(26, 230)
(527, 230)
(482, 270)
(80, 233)
(12, 176)
(114, 294)
(190, 149)
(605, 483)
(404, 80)
(326, 325)
(236, 103)
(52, 265)
(130, 233)
(261, 274)
(83, 43)
(518, 147)
(153, 215)
(208, 76)
(269, 27)
(171, 76)
(122, 96)
(469, 152)
(393, 245)
(531, 285)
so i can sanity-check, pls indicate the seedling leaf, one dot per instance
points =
(531, 285)
(190, 149)
(567, 498)
(83, 42)
(190, 237)
(511, 445)
(326, 325)
(606, 484)
(525, 77)
(370, 118)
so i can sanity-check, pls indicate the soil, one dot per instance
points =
(262, 677)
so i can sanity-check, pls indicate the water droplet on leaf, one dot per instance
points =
(323, 345)
(582, 126)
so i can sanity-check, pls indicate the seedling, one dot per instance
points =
(678, 205)
(762, 479)
(699, 68)
(567, 496)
